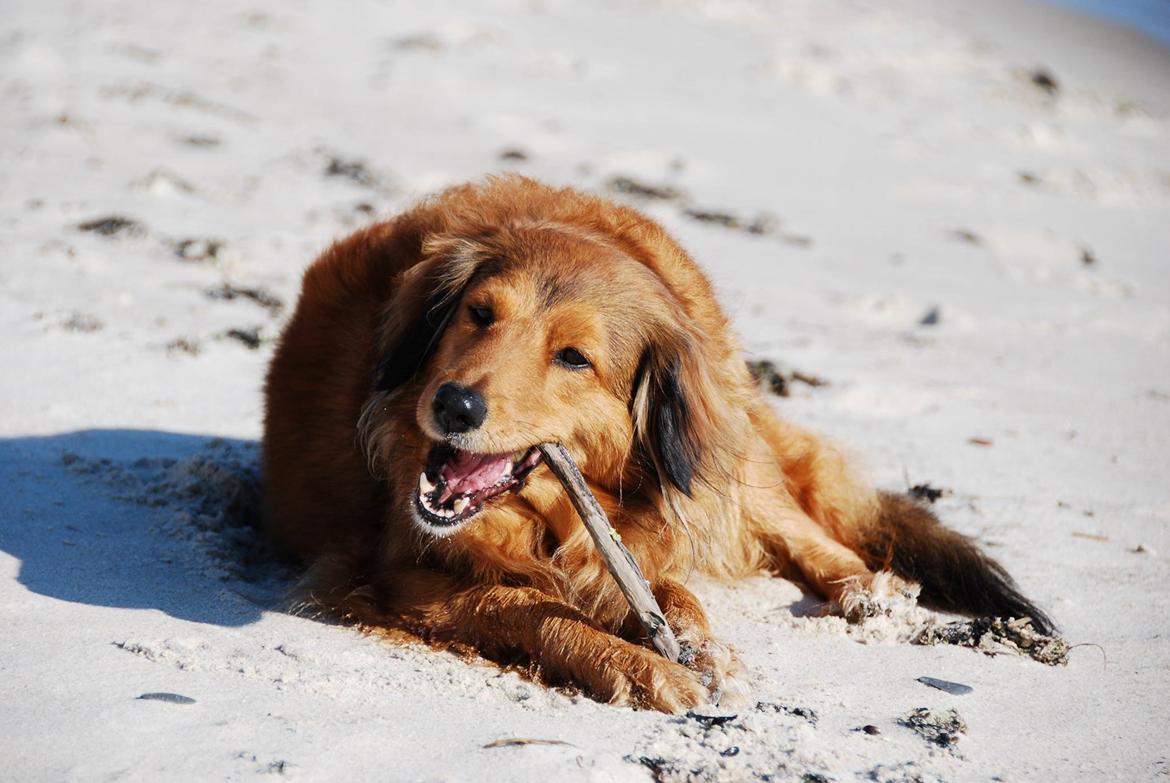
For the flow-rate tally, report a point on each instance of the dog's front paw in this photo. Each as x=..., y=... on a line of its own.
x=717, y=665
x=643, y=678
x=881, y=595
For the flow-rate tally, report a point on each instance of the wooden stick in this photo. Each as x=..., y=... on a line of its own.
x=621, y=563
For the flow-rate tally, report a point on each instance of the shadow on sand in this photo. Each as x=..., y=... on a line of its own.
x=140, y=519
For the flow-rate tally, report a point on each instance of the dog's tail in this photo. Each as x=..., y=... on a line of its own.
x=954, y=574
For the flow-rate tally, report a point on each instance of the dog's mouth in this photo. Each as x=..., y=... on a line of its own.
x=456, y=484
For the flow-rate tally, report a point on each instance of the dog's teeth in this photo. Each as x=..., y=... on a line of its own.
x=425, y=487
x=461, y=505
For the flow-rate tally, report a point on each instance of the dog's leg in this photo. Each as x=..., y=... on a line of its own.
x=718, y=667
x=796, y=542
x=824, y=509
x=815, y=475
x=562, y=641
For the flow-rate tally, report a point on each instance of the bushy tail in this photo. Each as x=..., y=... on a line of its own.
x=955, y=576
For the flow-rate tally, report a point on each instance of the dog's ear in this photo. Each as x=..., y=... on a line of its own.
x=426, y=297
x=431, y=308
x=665, y=429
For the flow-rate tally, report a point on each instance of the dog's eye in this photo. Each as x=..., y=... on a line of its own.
x=572, y=358
x=481, y=316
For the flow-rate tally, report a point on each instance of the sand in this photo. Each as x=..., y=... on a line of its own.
x=955, y=215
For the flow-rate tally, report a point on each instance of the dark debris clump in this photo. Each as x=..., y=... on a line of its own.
x=996, y=636
x=788, y=709
x=778, y=379
x=942, y=728
x=250, y=337
x=926, y=492
x=112, y=225
x=1044, y=79
x=633, y=187
x=266, y=299
x=356, y=171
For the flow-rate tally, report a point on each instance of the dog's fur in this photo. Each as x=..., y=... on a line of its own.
x=694, y=468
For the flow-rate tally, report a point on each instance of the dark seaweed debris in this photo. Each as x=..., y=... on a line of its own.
x=198, y=249
x=941, y=728
x=1046, y=81
x=354, y=170
x=966, y=235
x=206, y=142
x=112, y=225
x=711, y=720
x=778, y=379
x=763, y=223
x=266, y=299
x=658, y=766
x=187, y=345
x=633, y=187
x=926, y=492
x=250, y=337
x=996, y=636
x=931, y=317
x=82, y=322
x=513, y=154
x=787, y=709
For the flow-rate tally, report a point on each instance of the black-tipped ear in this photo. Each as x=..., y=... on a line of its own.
x=413, y=348
x=427, y=296
x=667, y=430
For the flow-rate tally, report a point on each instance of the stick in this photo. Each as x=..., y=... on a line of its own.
x=621, y=563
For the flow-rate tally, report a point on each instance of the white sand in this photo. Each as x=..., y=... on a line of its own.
x=876, y=130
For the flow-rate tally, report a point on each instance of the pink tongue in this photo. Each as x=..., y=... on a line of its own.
x=468, y=473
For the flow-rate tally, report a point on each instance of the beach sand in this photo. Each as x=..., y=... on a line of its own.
x=962, y=224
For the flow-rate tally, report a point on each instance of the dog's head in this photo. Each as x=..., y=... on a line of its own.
x=533, y=331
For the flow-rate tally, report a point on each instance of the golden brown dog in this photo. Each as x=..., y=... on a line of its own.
x=430, y=354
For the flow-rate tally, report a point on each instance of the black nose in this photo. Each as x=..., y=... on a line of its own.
x=458, y=409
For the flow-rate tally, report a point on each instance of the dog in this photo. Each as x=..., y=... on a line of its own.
x=430, y=354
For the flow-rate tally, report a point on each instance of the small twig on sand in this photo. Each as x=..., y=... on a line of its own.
x=1104, y=656
x=509, y=742
x=621, y=563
